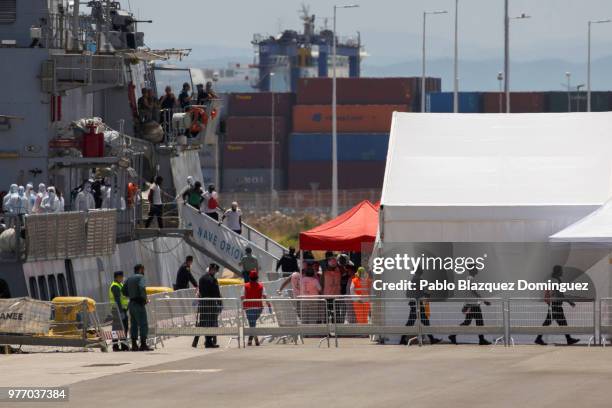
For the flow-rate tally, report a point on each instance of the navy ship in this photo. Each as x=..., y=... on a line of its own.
x=71, y=76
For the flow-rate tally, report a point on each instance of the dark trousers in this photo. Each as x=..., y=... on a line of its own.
x=473, y=312
x=238, y=231
x=213, y=215
x=253, y=315
x=120, y=324
x=138, y=321
x=208, y=316
x=155, y=211
x=556, y=313
x=412, y=315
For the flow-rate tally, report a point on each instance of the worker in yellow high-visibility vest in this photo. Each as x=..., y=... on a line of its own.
x=120, y=315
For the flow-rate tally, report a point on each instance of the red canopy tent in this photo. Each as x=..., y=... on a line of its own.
x=347, y=232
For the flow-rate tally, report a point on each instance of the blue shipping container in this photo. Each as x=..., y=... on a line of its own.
x=442, y=102
x=351, y=146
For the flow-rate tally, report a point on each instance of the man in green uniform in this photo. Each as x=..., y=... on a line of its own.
x=248, y=263
x=120, y=313
x=135, y=290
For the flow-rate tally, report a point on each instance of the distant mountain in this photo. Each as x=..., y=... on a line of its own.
x=481, y=75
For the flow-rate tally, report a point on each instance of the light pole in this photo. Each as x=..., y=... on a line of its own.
x=507, y=19
x=500, y=78
x=425, y=14
x=589, y=61
x=334, y=210
x=568, y=75
x=578, y=97
x=273, y=131
x=456, y=65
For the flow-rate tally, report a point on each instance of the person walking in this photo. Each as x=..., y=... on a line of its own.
x=248, y=263
x=155, y=200
x=184, y=275
x=251, y=292
x=233, y=218
x=288, y=263
x=420, y=296
x=135, y=290
x=210, y=306
x=120, y=313
x=360, y=287
x=473, y=311
x=555, y=308
x=311, y=310
x=211, y=201
x=194, y=196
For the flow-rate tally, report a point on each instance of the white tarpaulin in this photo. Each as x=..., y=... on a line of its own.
x=596, y=227
x=493, y=177
x=222, y=242
x=24, y=316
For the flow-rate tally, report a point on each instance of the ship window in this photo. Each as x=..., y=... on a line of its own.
x=5, y=292
x=52, y=287
x=70, y=277
x=8, y=11
x=33, y=288
x=42, y=288
x=61, y=280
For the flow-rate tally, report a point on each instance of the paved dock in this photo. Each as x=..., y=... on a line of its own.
x=355, y=375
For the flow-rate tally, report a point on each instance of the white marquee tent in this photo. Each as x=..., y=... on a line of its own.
x=493, y=177
x=596, y=227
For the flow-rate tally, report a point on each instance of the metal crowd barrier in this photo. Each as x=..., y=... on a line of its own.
x=530, y=316
x=328, y=317
x=197, y=317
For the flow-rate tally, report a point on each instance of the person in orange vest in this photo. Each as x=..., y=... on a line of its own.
x=253, y=290
x=360, y=286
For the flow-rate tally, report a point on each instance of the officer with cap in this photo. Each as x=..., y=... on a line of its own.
x=120, y=313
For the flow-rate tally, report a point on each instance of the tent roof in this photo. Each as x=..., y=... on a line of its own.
x=468, y=160
x=347, y=232
x=595, y=227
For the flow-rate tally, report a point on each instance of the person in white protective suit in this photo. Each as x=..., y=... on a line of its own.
x=189, y=186
x=42, y=193
x=21, y=203
x=108, y=203
x=85, y=199
x=51, y=203
x=6, y=205
x=29, y=193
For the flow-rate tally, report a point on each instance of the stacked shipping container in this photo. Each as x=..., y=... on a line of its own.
x=246, y=152
x=365, y=109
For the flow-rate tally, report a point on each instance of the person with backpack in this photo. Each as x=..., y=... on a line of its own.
x=212, y=203
x=193, y=196
x=155, y=200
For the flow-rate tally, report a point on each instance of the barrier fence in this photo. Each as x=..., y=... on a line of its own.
x=349, y=316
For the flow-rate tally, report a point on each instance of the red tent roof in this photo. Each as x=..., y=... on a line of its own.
x=347, y=232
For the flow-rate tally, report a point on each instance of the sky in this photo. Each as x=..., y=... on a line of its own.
x=391, y=30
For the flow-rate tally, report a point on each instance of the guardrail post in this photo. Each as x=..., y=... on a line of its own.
x=418, y=321
x=596, y=326
x=85, y=321
x=240, y=322
x=334, y=320
x=507, y=334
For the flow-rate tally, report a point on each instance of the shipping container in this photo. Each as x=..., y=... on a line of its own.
x=351, y=175
x=351, y=118
x=558, y=101
x=250, y=180
x=260, y=104
x=442, y=102
x=364, y=91
x=255, y=129
x=256, y=155
x=520, y=102
x=351, y=146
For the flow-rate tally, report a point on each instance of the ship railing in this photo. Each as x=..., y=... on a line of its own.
x=175, y=128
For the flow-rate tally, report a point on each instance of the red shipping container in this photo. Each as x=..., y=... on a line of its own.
x=520, y=102
x=351, y=175
x=252, y=155
x=357, y=91
x=260, y=104
x=255, y=129
x=351, y=118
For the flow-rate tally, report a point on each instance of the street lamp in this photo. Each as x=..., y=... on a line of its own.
x=568, y=75
x=500, y=78
x=589, y=62
x=425, y=14
x=456, y=64
x=334, y=211
x=507, y=19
